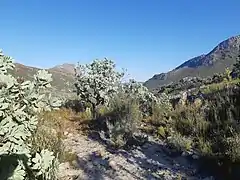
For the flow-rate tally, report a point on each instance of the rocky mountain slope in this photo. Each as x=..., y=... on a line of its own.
x=63, y=76
x=222, y=56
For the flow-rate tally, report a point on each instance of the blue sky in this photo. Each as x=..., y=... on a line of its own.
x=143, y=36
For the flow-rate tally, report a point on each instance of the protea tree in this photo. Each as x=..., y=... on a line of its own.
x=97, y=82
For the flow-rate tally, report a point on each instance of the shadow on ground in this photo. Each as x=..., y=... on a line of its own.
x=142, y=159
x=153, y=160
x=95, y=168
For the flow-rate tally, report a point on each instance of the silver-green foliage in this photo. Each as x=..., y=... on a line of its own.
x=138, y=90
x=97, y=82
x=141, y=94
x=19, y=104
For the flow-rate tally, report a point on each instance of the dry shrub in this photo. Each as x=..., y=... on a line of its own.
x=122, y=119
x=103, y=110
x=179, y=142
x=50, y=133
x=233, y=148
x=213, y=126
x=83, y=116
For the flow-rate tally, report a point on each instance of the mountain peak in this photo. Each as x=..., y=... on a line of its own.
x=216, y=61
x=228, y=43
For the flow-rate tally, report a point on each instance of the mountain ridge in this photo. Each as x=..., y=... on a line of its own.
x=62, y=75
x=220, y=57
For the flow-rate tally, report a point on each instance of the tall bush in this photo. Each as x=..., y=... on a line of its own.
x=138, y=92
x=97, y=82
x=123, y=119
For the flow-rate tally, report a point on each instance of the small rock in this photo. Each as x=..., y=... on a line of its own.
x=113, y=165
x=191, y=152
x=98, y=153
x=100, y=162
x=184, y=153
x=65, y=133
x=195, y=156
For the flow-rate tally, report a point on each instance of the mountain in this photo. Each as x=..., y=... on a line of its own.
x=222, y=56
x=63, y=76
x=64, y=68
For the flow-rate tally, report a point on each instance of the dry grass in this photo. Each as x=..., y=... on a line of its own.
x=52, y=129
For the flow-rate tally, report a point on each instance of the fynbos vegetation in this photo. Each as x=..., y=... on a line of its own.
x=20, y=102
x=97, y=82
x=195, y=117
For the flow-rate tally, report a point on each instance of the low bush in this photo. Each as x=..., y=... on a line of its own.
x=121, y=118
x=50, y=132
x=189, y=121
x=179, y=142
x=212, y=127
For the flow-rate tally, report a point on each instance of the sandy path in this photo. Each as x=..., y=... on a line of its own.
x=150, y=161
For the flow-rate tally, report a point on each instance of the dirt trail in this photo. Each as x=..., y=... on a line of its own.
x=149, y=162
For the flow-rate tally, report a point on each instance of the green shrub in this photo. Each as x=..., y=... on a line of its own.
x=20, y=102
x=233, y=148
x=211, y=127
x=145, y=99
x=204, y=147
x=190, y=121
x=161, y=132
x=97, y=82
x=159, y=119
x=160, y=114
x=179, y=142
x=236, y=68
x=123, y=119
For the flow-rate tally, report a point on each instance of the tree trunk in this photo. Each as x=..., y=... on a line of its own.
x=94, y=111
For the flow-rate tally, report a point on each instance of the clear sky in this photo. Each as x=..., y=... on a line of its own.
x=144, y=36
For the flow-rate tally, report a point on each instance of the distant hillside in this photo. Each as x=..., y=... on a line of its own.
x=64, y=68
x=222, y=56
x=63, y=76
